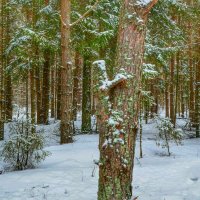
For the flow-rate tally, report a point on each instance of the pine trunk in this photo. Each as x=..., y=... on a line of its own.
x=76, y=82
x=2, y=65
x=197, y=91
x=172, y=114
x=38, y=93
x=52, y=93
x=45, y=88
x=58, y=99
x=117, y=144
x=86, y=97
x=66, y=75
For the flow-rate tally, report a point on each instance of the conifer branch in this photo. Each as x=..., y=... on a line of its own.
x=85, y=14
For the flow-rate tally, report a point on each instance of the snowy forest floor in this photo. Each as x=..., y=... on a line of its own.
x=69, y=173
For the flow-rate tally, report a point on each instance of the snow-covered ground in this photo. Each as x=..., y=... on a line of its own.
x=69, y=173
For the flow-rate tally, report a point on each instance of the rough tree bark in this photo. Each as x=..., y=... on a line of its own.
x=121, y=98
x=66, y=75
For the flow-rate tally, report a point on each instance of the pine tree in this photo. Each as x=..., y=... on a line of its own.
x=66, y=75
x=117, y=144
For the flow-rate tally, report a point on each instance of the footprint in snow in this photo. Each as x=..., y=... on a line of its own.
x=195, y=179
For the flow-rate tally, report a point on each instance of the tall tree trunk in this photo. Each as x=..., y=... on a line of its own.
x=8, y=97
x=177, y=86
x=38, y=94
x=32, y=89
x=45, y=88
x=33, y=66
x=53, y=93
x=58, y=99
x=197, y=91
x=86, y=96
x=76, y=83
x=166, y=97
x=2, y=66
x=8, y=78
x=172, y=63
x=66, y=75
x=191, y=88
x=121, y=101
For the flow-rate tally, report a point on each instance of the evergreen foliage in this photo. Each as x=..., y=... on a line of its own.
x=24, y=149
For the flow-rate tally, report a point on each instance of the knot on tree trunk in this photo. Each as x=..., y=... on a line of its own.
x=107, y=85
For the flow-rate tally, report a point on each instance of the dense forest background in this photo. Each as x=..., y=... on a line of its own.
x=104, y=66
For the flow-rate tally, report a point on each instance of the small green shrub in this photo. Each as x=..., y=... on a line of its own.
x=167, y=134
x=24, y=148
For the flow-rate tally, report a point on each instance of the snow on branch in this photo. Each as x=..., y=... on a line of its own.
x=85, y=14
x=147, y=5
x=143, y=2
x=107, y=84
x=80, y=18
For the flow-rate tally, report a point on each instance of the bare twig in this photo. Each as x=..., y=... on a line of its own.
x=85, y=14
x=63, y=23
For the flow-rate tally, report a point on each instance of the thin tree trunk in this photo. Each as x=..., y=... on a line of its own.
x=38, y=93
x=172, y=63
x=45, y=88
x=177, y=86
x=8, y=78
x=52, y=93
x=191, y=89
x=8, y=97
x=197, y=95
x=86, y=96
x=141, y=152
x=2, y=65
x=58, y=102
x=32, y=89
x=77, y=78
x=166, y=98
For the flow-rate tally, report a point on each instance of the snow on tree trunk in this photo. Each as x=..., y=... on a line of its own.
x=121, y=100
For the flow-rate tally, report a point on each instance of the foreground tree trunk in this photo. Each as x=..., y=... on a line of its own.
x=121, y=98
x=66, y=75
